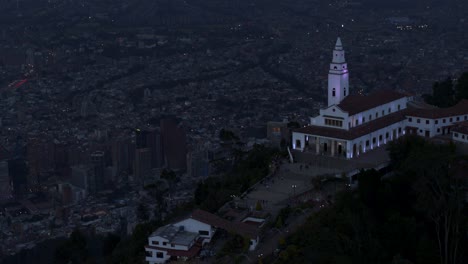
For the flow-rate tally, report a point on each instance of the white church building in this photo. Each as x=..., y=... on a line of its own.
x=354, y=124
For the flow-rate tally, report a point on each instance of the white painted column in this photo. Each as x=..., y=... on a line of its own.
x=333, y=148
x=317, y=145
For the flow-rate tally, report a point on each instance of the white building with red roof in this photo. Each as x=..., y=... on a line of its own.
x=460, y=132
x=354, y=124
x=184, y=239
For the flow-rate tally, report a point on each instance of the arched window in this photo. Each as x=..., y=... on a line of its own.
x=344, y=91
x=333, y=92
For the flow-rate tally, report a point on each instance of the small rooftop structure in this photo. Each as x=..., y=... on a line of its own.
x=175, y=235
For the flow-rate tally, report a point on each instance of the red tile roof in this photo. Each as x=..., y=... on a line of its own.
x=354, y=104
x=355, y=132
x=461, y=127
x=218, y=222
x=459, y=109
x=192, y=252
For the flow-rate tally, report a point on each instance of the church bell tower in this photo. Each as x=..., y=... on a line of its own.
x=338, y=76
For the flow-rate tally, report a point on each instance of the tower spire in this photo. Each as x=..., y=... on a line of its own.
x=338, y=45
x=338, y=77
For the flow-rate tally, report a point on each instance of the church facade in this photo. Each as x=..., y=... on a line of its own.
x=354, y=124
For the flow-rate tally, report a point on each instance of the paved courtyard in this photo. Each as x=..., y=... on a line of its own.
x=295, y=178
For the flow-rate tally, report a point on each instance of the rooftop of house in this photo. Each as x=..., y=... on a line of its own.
x=218, y=222
x=461, y=108
x=175, y=235
x=461, y=127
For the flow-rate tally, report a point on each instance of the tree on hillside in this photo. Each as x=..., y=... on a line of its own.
x=142, y=212
x=227, y=135
x=442, y=94
x=73, y=250
x=440, y=197
x=439, y=193
x=461, y=88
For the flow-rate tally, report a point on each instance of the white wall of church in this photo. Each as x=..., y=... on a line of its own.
x=377, y=112
x=338, y=87
x=376, y=139
x=298, y=141
x=332, y=112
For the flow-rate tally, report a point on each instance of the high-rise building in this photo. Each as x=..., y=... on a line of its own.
x=5, y=183
x=120, y=155
x=174, y=141
x=154, y=143
x=198, y=164
x=142, y=164
x=98, y=162
x=140, y=138
x=83, y=177
x=41, y=158
x=18, y=171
